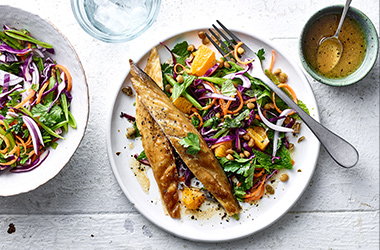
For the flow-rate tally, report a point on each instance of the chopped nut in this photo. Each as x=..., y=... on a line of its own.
x=167, y=87
x=301, y=139
x=240, y=51
x=127, y=90
x=201, y=35
x=230, y=157
x=246, y=137
x=131, y=133
x=205, y=41
x=269, y=106
x=246, y=153
x=179, y=79
x=226, y=65
x=250, y=105
x=269, y=189
x=251, y=143
x=241, y=155
x=282, y=77
x=217, y=115
x=284, y=177
x=291, y=146
x=277, y=71
x=191, y=48
x=297, y=128
x=230, y=151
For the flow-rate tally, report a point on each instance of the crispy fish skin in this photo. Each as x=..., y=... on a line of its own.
x=157, y=147
x=176, y=126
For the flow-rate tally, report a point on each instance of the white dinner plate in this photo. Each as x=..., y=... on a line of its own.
x=253, y=218
x=16, y=183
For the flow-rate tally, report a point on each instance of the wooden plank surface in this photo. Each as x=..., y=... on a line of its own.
x=339, y=210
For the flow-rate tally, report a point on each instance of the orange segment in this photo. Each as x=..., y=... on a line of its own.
x=259, y=136
x=204, y=59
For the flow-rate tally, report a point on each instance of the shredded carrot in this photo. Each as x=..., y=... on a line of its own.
x=272, y=61
x=236, y=56
x=179, y=65
x=16, y=150
x=39, y=96
x=30, y=96
x=291, y=92
x=31, y=153
x=68, y=76
x=256, y=194
x=29, y=140
x=250, y=100
x=257, y=175
x=23, y=54
x=213, y=100
x=22, y=143
x=240, y=105
x=199, y=117
x=257, y=117
x=9, y=162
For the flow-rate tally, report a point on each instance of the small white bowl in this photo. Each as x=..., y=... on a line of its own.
x=16, y=183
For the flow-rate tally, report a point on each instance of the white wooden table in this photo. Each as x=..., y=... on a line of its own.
x=84, y=208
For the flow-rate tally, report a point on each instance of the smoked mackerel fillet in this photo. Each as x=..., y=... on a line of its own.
x=176, y=126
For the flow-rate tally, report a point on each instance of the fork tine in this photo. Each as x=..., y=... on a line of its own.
x=228, y=32
x=215, y=44
x=224, y=36
x=224, y=46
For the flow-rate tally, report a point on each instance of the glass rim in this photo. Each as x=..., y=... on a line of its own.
x=86, y=25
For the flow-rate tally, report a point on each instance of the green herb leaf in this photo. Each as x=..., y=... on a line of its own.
x=195, y=121
x=179, y=89
x=236, y=121
x=260, y=54
x=141, y=156
x=191, y=142
x=20, y=35
x=228, y=88
x=181, y=52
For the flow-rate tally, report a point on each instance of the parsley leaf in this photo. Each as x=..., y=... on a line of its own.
x=228, y=88
x=236, y=121
x=260, y=54
x=181, y=52
x=191, y=142
x=178, y=89
x=141, y=156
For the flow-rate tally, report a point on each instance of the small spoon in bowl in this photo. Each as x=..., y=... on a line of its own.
x=330, y=49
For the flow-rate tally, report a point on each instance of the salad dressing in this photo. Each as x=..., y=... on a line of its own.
x=351, y=37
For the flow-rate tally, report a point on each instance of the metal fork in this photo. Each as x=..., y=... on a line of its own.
x=339, y=149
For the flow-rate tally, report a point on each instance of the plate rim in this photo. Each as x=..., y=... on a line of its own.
x=87, y=106
x=117, y=175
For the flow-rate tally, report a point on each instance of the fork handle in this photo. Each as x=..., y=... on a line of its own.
x=339, y=149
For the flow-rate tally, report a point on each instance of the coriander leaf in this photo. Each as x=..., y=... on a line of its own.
x=303, y=106
x=260, y=54
x=54, y=116
x=195, y=121
x=228, y=88
x=181, y=52
x=167, y=68
x=236, y=121
x=191, y=142
x=178, y=89
x=141, y=156
x=212, y=122
x=13, y=68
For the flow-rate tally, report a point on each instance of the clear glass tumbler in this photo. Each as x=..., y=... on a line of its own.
x=115, y=20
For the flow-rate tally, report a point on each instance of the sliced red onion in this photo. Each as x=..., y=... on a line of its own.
x=8, y=58
x=271, y=125
x=13, y=79
x=225, y=139
x=61, y=87
x=12, y=114
x=211, y=70
x=4, y=94
x=144, y=161
x=129, y=117
x=277, y=133
x=217, y=96
x=35, y=133
x=2, y=117
x=240, y=75
x=39, y=53
x=29, y=167
x=35, y=74
x=5, y=48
